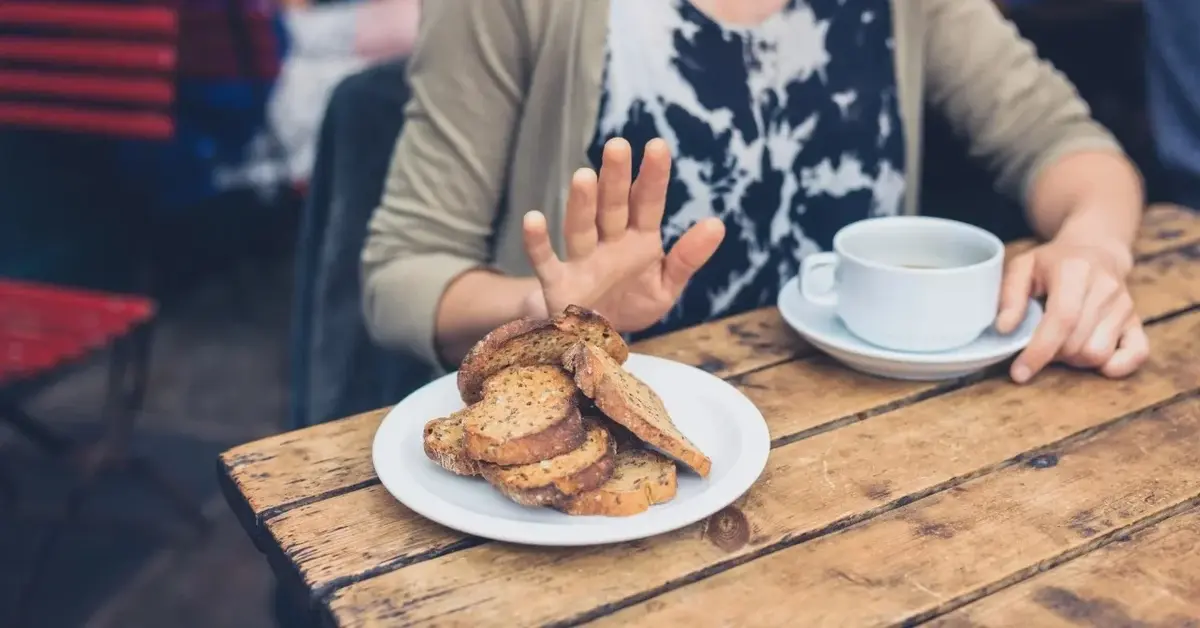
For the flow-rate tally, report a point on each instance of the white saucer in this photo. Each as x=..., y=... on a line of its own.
x=714, y=415
x=821, y=327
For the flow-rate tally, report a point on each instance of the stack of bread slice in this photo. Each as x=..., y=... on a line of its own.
x=554, y=420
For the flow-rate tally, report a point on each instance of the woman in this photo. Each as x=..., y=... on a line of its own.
x=787, y=119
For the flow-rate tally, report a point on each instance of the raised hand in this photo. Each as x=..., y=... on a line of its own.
x=615, y=263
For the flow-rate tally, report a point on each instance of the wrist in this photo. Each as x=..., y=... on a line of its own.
x=533, y=303
x=1088, y=230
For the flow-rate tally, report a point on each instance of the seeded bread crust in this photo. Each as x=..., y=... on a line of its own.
x=640, y=480
x=444, y=444
x=530, y=341
x=527, y=414
x=552, y=482
x=630, y=402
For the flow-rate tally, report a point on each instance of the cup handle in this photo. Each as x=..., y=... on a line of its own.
x=810, y=266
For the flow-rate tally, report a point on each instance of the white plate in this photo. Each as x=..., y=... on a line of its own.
x=714, y=415
x=821, y=327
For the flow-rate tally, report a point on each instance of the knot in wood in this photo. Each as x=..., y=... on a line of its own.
x=1044, y=461
x=728, y=529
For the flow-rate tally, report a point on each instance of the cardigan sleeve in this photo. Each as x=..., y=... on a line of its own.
x=467, y=77
x=1016, y=111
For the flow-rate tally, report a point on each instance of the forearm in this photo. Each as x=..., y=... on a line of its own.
x=475, y=303
x=1094, y=196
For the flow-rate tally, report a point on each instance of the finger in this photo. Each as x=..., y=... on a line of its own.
x=1015, y=293
x=648, y=198
x=1102, y=298
x=1132, y=352
x=615, y=175
x=537, y=246
x=580, y=228
x=1102, y=344
x=1066, y=288
x=692, y=251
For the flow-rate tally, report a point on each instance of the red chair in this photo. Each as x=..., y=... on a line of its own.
x=104, y=68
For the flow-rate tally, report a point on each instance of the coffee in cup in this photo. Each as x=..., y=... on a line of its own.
x=909, y=283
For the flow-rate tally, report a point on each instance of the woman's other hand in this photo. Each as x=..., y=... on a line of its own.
x=1090, y=321
x=615, y=263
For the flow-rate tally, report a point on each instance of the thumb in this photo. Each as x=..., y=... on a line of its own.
x=1015, y=293
x=691, y=252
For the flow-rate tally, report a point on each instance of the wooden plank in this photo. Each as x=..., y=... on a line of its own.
x=1167, y=282
x=810, y=487
x=1167, y=227
x=1150, y=579
x=732, y=346
x=946, y=550
x=351, y=537
x=340, y=541
x=736, y=346
x=292, y=467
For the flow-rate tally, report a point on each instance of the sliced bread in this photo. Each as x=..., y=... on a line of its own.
x=529, y=341
x=551, y=482
x=527, y=414
x=444, y=444
x=622, y=438
x=629, y=401
x=640, y=480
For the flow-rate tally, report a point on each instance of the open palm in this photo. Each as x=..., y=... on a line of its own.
x=615, y=260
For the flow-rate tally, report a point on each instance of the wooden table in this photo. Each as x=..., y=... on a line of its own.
x=1071, y=501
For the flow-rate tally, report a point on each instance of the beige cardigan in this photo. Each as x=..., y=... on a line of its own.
x=505, y=96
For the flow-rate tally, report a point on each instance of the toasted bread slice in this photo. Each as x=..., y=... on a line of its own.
x=528, y=341
x=640, y=480
x=444, y=444
x=623, y=439
x=630, y=402
x=551, y=482
x=527, y=414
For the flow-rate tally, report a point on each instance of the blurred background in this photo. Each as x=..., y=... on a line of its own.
x=185, y=184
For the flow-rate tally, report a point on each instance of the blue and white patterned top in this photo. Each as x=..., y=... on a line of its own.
x=787, y=131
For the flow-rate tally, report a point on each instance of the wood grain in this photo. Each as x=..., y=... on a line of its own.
x=797, y=399
x=944, y=550
x=1166, y=227
x=810, y=487
x=330, y=520
x=731, y=346
x=292, y=467
x=347, y=538
x=1167, y=282
x=1151, y=578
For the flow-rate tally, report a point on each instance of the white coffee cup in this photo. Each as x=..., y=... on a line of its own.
x=909, y=283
